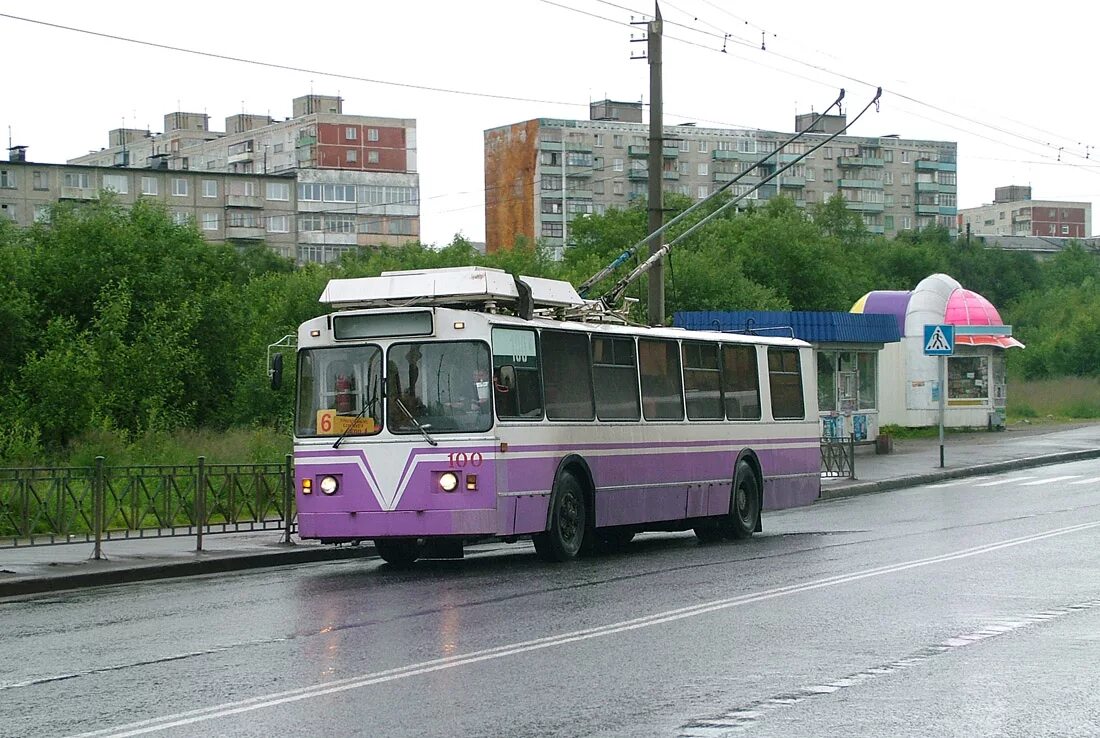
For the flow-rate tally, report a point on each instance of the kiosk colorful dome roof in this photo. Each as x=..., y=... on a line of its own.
x=938, y=298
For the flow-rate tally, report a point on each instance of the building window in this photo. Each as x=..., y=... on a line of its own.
x=40, y=180
x=278, y=224
x=617, y=141
x=309, y=191
x=906, y=200
x=179, y=187
x=888, y=156
x=827, y=175
x=702, y=191
x=906, y=179
x=278, y=191
x=372, y=134
x=120, y=183
x=617, y=187
x=82, y=180
x=209, y=221
x=827, y=152
x=7, y=179
x=704, y=169
x=400, y=227
x=888, y=178
x=307, y=223
x=888, y=222
x=811, y=175
x=685, y=145
x=41, y=213
x=352, y=156
x=704, y=147
x=180, y=218
x=1065, y=230
x=616, y=165
x=209, y=188
x=277, y=149
x=149, y=186
x=906, y=222
x=967, y=378
x=904, y=157
x=372, y=157
x=350, y=133
x=338, y=193
x=340, y=223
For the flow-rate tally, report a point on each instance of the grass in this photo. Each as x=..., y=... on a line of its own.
x=234, y=446
x=1054, y=400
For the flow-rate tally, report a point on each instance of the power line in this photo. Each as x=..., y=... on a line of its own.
x=282, y=67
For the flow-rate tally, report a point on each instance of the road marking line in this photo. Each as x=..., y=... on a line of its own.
x=1049, y=480
x=1094, y=480
x=955, y=482
x=1010, y=480
x=449, y=662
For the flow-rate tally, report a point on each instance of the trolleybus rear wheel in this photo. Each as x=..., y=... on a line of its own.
x=744, y=502
x=568, y=521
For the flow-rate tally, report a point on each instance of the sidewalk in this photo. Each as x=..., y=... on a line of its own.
x=917, y=461
x=52, y=568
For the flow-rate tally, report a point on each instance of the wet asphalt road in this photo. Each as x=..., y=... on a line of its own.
x=969, y=608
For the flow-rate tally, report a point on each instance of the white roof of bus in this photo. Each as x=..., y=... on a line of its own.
x=444, y=287
x=648, y=331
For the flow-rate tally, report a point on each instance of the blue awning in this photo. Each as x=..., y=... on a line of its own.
x=814, y=327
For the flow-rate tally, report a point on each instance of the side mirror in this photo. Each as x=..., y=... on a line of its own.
x=276, y=371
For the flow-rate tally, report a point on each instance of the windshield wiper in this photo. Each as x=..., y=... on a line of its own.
x=362, y=412
x=422, y=428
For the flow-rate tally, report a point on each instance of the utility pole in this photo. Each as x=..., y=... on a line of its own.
x=656, y=153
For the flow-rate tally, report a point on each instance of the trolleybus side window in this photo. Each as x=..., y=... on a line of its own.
x=702, y=381
x=340, y=391
x=517, y=391
x=785, y=380
x=662, y=395
x=740, y=382
x=441, y=385
x=566, y=377
x=615, y=376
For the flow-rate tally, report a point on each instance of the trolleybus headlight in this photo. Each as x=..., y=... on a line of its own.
x=448, y=481
x=329, y=485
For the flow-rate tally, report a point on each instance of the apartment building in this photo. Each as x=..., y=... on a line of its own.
x=1014, y=213
x=226, y=208
x=540, y=174
x=354, y=176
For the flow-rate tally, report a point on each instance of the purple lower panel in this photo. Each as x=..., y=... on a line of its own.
x=629, y=506
x=506, y=516
x=531, y=513
x=792, y=492
x=398, y=523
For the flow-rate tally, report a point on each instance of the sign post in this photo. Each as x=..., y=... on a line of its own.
x=939, y=340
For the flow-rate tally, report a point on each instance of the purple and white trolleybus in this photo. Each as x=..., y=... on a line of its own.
x=430, y=415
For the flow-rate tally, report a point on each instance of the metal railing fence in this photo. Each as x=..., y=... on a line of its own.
x=53, y=505
x=838, y=456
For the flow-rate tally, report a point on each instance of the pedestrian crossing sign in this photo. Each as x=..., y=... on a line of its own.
x=939, y=340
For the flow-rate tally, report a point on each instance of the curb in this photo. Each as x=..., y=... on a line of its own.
x=886, y=485
x=40, y=584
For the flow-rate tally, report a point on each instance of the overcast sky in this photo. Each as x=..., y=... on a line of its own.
x=1013, y=84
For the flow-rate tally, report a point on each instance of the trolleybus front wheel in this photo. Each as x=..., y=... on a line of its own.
x=568, y=522
x=399, y=552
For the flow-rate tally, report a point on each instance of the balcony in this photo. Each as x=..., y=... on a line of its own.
x=923, y=209
x=928, y=187
x=670, y=175
x=860, y=184
x=638, y=175
x=243, y=201
x=880, y=230
x=578, y=194
x=304, y=141
x=866, y=207
x=936, y=166
x=786, y=158
x=246, y=233
x=860, y=161
x=733, y=156
x=546, y=144
x=785, y=181
x=748, y=179
x=324, y=237
x=948, y=210
x=638, y=152
x=79, y=193
x=766, y=192
x=243, y=156
x=578, y=171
